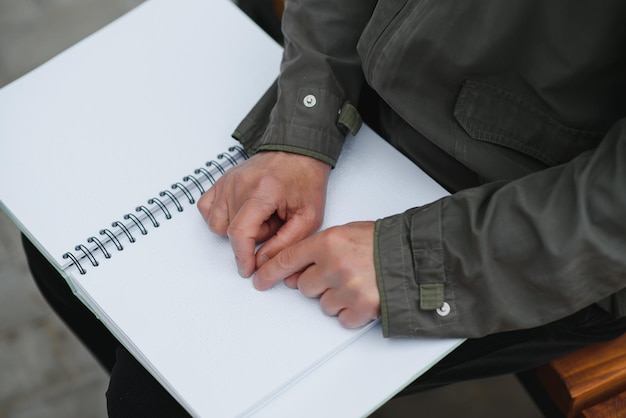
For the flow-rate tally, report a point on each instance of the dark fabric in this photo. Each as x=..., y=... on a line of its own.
x=512, y=255
x=517, y=351
x=133, y=392
x=83, y=323
x=263, y=13
x=438, y=164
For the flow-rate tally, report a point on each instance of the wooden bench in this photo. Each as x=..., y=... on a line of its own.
x=279, y=6
x=590, y=382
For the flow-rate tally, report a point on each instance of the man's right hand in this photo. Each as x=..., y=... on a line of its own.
x=274, y=196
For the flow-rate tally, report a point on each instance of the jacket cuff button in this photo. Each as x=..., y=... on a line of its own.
x=309, y=100
x=444, y=310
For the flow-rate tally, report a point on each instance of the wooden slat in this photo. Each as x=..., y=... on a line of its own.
x=279, y=6
x=586, y=377
x=614, y=407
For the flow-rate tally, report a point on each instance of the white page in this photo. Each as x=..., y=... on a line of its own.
x=359, y=379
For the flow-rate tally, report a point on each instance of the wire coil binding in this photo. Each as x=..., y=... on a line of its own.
x=148, y=215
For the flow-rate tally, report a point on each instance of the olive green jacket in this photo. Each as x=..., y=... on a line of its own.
x=528, y=94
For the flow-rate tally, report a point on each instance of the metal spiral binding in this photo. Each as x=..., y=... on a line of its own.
x=208, y=175
x=186, y=191
x=147, y=216
x=195, y=182
x=169, y=194
x=160, y=204
x=100, y=246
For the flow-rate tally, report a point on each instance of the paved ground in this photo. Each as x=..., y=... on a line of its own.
x=44, y=370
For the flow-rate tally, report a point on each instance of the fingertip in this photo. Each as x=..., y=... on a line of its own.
x=205, y=202
x=292, y=281
x=351, y=319
x=245, y=267
x=260, y=281
x=243, y=272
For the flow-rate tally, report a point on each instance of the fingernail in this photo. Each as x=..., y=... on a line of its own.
x=263, y=259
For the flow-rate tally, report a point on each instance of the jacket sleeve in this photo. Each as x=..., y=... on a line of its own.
x=320, y=77
x=508, y=255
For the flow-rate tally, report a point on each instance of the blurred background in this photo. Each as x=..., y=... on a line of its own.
x=44, y=370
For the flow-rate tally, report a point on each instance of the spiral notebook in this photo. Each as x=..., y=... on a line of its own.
x=104, y=151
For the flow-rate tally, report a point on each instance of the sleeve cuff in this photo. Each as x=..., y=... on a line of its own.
x=312, y=122
x=416, y=298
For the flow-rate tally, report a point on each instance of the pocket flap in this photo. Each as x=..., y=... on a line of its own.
x=490, y=114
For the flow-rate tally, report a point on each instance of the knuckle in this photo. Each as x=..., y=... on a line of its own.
x=262, y=188
x=286, y=259
x=204, y=203
x=238, y=232
x=335, y=237
x=312, y=217
x=261, y=202
x=328, y=238
x=267, y=182
x=345, y=269
x=233, y=231
x=217, y=226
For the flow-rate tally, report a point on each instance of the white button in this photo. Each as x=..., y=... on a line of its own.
x=444, y=310
x=309, y=100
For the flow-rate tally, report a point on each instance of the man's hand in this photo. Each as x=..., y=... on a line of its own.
x=273, y=196
x=336, y=265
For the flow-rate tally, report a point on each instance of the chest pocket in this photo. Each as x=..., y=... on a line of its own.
x=492, y=115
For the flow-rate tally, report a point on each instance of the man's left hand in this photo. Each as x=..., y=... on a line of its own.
x=335, y=265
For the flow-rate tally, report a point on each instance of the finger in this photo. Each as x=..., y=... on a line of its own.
x=206, y=202
x=350, y=318
x=292, y=281
x=216, y=210
x=312, y=282
x=359, y=309
x=268, y=229
x=331, y=304
x=243, y=231
x=292, y=259
x=215, y=216
x=292, y=231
